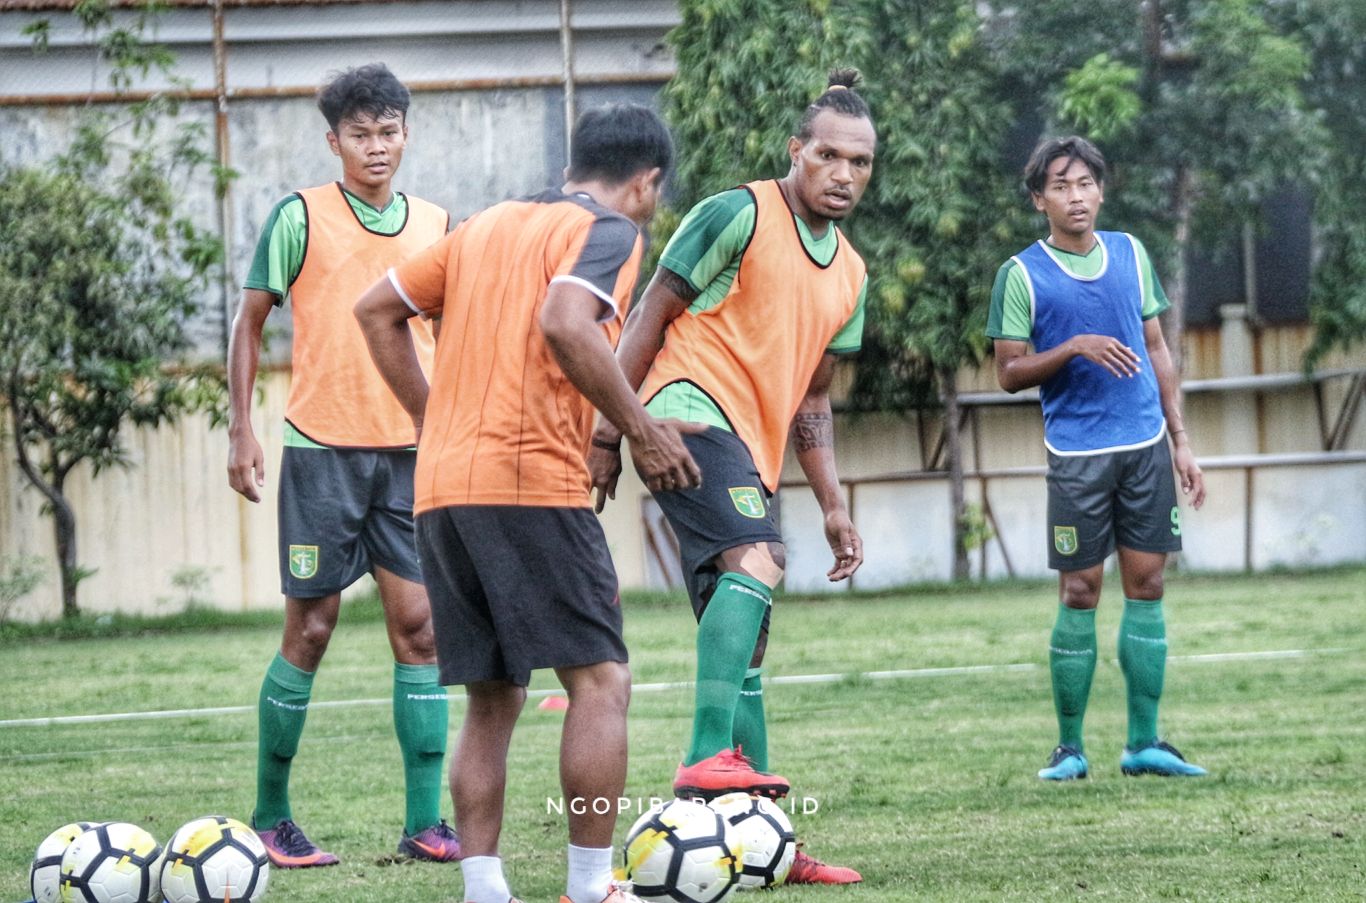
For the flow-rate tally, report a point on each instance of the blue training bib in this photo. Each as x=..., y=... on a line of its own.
x=1086, y=409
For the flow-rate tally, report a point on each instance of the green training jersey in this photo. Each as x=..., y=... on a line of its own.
x=1012, y=315
x=284, y=239
x=706, y=252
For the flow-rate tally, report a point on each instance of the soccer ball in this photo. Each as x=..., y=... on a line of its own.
x=115, y=862
x=45, y=875
x=765, y=836
x=682, y=853
x=214, y=859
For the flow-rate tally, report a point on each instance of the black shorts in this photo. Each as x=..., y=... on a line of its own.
x=1098, y=501
x=515, y=588
x=343, y=511
x=731, y=508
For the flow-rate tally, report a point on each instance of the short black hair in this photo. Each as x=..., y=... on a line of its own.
x=372, y=90
x=1072, y=147
x=614, y=142
x=839, y=97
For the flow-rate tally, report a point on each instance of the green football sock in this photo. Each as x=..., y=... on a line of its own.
x=1143, y=659
x=280, y=715
x=1072, y=663
x=725, y=644
x=750, y=732
x=421, y=717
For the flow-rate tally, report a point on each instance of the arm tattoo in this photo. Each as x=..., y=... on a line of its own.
x=676, y=284
x=813, y=431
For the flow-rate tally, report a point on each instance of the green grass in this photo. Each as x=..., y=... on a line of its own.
x=925, y=783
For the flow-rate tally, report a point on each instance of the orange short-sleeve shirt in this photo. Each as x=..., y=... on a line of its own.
x=503, y=424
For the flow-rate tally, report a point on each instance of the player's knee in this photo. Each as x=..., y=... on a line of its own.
x=764, y=561
x=1079, y=591
x=415, y=641
x=493, y=699
x=1145, y=586
x=604, y=684
x=310, y=641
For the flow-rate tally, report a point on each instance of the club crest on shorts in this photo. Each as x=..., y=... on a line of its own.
x=1065, y=540
x=747, y=501
x=303, y=561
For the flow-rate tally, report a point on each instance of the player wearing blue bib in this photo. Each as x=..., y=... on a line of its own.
x=1086, y=302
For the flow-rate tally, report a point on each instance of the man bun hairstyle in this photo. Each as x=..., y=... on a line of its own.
x=1073, y=147
x=371, y=90
x=612, y=143
x=839, y=97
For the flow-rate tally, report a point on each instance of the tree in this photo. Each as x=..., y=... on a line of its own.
x=98, y=275
x=1331, y=30
x=746, y=71
x=1199, y=105
x=940, y=215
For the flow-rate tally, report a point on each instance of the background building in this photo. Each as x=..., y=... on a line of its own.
x=495, y=83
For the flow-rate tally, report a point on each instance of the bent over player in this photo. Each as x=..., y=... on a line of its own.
x=346, y=476
x=1087, y=302
x=755, y=297
x=531, y=294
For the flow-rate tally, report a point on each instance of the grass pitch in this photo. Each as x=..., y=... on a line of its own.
x=924, y=781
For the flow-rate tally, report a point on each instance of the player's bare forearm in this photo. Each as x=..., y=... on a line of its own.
x=1169, y=389
x=813, y=441
x=666, y=297
x=1168, y=384
x=812, y=435
x=568, y=322
x=1017, y=368
x=246, y=461
x=383, y=317
x=244, y=355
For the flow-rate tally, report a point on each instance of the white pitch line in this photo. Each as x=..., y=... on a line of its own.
x=909, y=673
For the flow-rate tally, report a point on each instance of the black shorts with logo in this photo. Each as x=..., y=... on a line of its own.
x=515, y=588
x=731, y=508
x=1125, y=498
x=342, y=511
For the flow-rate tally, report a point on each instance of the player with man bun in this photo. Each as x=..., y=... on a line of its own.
x=756, y=296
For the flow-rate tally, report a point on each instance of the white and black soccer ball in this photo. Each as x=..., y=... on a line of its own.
x=681, y=853
x=116, y=862
x=214, y=859
x=45, y=874
x=765, y=836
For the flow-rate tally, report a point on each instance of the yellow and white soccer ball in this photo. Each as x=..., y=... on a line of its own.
x=212, y=860
x=764, y=832
x=45, y=874
x=682, y=853
x=115, y=862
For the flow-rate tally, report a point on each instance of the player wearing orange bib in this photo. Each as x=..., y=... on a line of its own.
x=756, y=295
x=531, y=294
x=345, y=500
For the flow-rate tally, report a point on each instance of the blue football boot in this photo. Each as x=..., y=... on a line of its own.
x=1158, y=758
x=1066, y=764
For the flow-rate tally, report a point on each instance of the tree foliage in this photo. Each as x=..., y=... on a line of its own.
x=1199, y=106
x=1332, y=30
x=99, y=272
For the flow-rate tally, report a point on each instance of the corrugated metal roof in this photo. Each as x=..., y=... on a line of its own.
x=284, y=47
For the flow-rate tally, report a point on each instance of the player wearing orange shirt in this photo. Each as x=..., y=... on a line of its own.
x=531, y=295
x=345, y=499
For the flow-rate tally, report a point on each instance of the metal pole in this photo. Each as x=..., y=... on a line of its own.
x=567, y=53
x=223, y=151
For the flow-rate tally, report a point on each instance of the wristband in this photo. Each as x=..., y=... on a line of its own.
x=603, y=444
